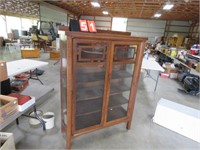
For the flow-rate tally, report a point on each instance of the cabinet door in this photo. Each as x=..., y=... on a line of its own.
x=89, y=68
x=122, y=65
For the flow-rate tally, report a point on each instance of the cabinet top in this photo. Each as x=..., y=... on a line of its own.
x=105, y=36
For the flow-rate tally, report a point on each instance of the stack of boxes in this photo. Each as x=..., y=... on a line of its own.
x=170, y=71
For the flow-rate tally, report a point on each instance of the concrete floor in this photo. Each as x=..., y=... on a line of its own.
x=144, y=134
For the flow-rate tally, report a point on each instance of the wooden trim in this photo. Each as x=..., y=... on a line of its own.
x=69, y=92
x=94, y=128
x=74, y=74
x=103, y=36
x=136, y=76
x=108, y=80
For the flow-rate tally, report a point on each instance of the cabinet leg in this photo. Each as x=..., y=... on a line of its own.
x=68, y=144
x=128, y=125
x=69, y=139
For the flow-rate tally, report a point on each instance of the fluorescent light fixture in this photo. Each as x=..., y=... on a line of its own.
x=168, y=6
x=105, y=12
x=95, y=4
x=157, y=15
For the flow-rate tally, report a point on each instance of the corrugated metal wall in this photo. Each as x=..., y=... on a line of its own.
x=49, y=14
x=177, y=27
x=146, y=28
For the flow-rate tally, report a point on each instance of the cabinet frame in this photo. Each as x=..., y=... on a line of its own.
x=73, y=38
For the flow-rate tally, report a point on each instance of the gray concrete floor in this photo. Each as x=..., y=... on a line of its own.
x=144, y=134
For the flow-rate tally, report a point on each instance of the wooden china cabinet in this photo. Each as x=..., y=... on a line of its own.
x=99, y=79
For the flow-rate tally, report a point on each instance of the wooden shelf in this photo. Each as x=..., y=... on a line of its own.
x=95, y=105
x=95, y=118
x=90, y=77
x=88, y=93
x=116, y=113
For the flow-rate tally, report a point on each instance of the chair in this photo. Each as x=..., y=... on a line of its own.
x=39, y=42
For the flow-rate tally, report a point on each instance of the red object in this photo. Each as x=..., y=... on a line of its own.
x=19, y=84
x=22, y=76
x=164, y=75
x=83, y=25
x=21, y=98
x=193, y=51
x=91, y=26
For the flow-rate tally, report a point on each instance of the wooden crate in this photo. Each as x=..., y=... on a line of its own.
x=8, y=106
x=30, y=53
x=54, y=55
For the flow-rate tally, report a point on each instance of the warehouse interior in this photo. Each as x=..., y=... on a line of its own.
x=164, y=102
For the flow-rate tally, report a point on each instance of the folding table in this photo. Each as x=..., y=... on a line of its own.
x=148, y=65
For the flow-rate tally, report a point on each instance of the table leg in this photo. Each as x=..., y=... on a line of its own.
x=56, y=62
x=17, y=121
x=157, y=81
x=37, y=78
x=42, y=122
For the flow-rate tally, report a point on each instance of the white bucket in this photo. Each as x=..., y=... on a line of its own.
x=49, y=118
x=33, y=121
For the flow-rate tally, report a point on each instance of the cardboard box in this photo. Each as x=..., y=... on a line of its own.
x=8, y=106
x=173, y=75
x=198, y=67
x=54, y=55
x=170, y=68
x=3, y=71
x=7, y=141
x=30, y=53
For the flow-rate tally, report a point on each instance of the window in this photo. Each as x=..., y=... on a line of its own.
x=3, y=26
x=13, y=23
x=119, y=24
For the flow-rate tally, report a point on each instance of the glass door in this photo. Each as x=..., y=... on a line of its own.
x=121, y=80
x=89, y=69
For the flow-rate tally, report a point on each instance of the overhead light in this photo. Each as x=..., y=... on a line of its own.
x=105, y=12
x=157, y=15
x=168, y=6
x=95, y=4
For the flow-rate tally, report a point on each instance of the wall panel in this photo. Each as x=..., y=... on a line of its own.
x=49, y=14
x=146, y=28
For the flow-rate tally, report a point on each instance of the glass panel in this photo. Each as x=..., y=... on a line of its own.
x=121, y=83
x=91, y=52
x=63, y=74
x=124, y=52
x=90, y=84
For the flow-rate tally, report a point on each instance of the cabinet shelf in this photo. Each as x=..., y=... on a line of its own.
x=88, y=93
x=95, y=105
x=90, y=77
x=95, y=118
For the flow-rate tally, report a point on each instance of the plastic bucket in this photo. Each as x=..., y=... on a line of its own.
x=33, y=121
x=49, y=118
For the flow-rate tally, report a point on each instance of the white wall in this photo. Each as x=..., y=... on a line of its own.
x=3, y=28
x=146, y=28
